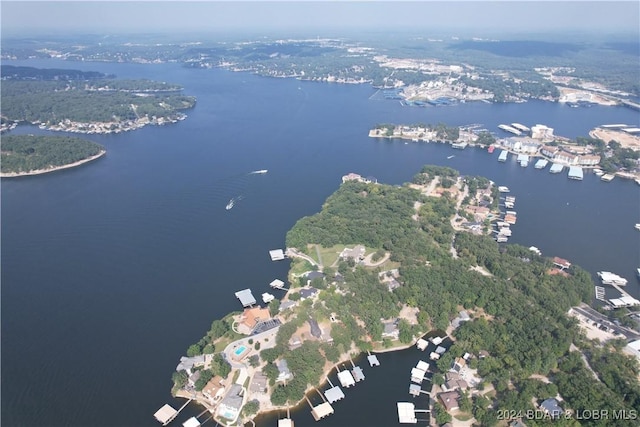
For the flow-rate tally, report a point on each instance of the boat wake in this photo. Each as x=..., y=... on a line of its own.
x=261, y=171
x=233, y=201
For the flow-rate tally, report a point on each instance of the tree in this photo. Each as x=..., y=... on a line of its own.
x=194, y=350
x=218, y=329
x=441, y=414
x=251, y=407
x=179, y=379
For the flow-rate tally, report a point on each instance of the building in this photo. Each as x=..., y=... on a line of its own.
x=315, y=328
x=391, y=330
x=253, y=316
x=258, y=383
x=356, y=254
x=246, y=297
x=542, y=132
x=589, y=160
x=284, y=374
x=307, y=293
x=450, y=400
x=549, y=150
x=232, y=403
x=214, y=389
x=561, y=263
x=552, y=408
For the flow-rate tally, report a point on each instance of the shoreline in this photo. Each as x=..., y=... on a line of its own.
x=53, y=169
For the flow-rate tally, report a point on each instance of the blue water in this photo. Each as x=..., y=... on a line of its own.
x=111, y=270
x=238, y=351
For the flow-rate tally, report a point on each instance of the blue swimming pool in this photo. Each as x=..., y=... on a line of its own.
x=238, y=351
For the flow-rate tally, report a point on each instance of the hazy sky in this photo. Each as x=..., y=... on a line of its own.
x=37, y=17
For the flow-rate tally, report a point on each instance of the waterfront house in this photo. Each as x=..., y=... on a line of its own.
x=188, y=363
x=230, y=406
x=561, y=262
x=214, y=389
x=258, y=383
x=193, y=378
x=391, y=330
x=252, y=316
x=589, y=160
x=450, y=400
x=287, y=304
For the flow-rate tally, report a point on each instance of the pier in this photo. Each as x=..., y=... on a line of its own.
x=277, y=284
x=422, y=344
x=346, y=379
x=276, y=254
x=358, y=375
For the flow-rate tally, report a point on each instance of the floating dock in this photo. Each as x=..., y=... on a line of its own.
x=600, y=293
x=346, y=379
x=407, y=413
x=358, y=375
x=556, y=168
x=510, y=129
x=422, y=344
x=267, y=297
x=246, y=297
x=503, y=156
x=167, y=413
x=322, y=410
x=373, y=360
x=277, y=284
x=334, y=394
x=575, y=172
x=520, y=127
x=276, y=254
x=607, y=177
x=541, y=164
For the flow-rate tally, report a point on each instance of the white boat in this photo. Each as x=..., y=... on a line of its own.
x=261, y=171
x=230, y=204
x=609, y=278
x=502, y=239
x=503, y=189
x=637, y=226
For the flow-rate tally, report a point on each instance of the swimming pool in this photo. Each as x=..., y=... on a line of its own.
x=238, y=351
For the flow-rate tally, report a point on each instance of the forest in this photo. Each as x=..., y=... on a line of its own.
x=25, y=153
x=51, y=101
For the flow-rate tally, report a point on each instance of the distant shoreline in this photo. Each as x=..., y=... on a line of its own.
x=56, y=168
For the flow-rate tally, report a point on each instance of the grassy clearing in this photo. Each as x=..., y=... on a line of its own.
x=329, y=255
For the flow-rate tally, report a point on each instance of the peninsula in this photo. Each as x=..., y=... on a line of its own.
x=82, y=102
x=378, y=268
x=33, y=155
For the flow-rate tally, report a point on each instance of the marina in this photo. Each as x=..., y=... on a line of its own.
x=510, y=129
x=609, y=278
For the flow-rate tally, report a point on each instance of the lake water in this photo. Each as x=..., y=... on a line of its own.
x=111, y=270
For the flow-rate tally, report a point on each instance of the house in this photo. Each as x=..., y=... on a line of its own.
x=284, y=374
x=313, y=275
x=307, y=293
x=230, y=406
x=450, y=400
x=463, y=316
x=294, y=342
x=549, y=150
x=253, y=316
x=193, y=378
x=391, y=330
x=352, y=177
x=551, y=407
x=356, y=254
x=315, y=328
x=589, y=160
x=188, y=363
x=458, y=384
x=214, y=389
x=458, y=364
x=287, y=304
x=258, y=383
x=561, y=262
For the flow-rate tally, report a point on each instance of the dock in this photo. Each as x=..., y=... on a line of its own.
x=276, y=254
x=541, y=164
x=322, y=410
x=167, y=413
x=520, y=127
x=575, y=172
x=358, y=374
x=277, y=284
x=523, y=159
x=373, y=360
x=434, y=356
x=437, y=340
x=417, y=375
x=406, y=413
x=422, y=344
x=246, y=297
x=607, y=177
x=556, y=168
x=346, y=379
x=600, y=293
x=459, y=145
x=416, y=390
x=267, y=297
x=191, y=422
x=334, y=394
x=503, y=156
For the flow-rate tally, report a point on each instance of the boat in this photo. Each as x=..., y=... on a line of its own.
x=450, y=157
x=638, y=272
x=230, y=204
x=637, y=226
x=491, y=148
x=261, y=171
x=509, y=205
x=609, y=278
x=510, y=129
x=503, y=189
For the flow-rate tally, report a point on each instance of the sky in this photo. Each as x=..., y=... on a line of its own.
x=27, y=17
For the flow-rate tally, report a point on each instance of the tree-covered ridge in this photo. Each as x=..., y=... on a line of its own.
x=12, y=72
x=519, y=310
x=63, y=104
x=26, y=153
